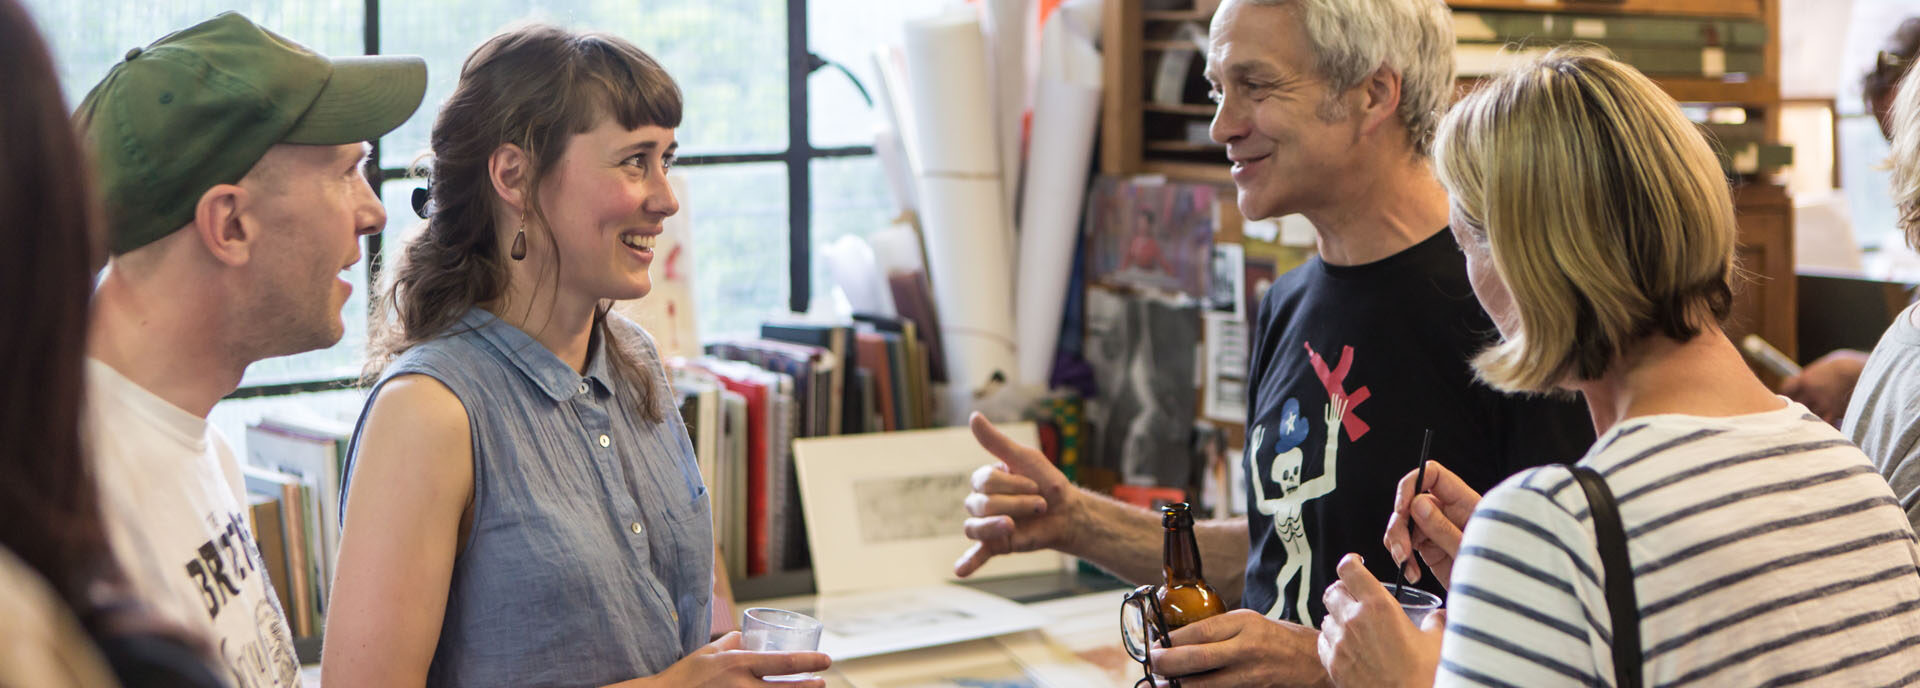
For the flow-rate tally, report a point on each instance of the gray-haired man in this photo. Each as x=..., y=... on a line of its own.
x=1327, y=108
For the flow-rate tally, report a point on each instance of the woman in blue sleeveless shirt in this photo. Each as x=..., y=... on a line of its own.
x=523, y=507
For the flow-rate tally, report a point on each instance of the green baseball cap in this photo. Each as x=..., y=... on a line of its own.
x=200, y=106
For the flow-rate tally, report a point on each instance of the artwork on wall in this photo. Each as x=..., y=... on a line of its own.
x=1148, y=234
x=1142, y=353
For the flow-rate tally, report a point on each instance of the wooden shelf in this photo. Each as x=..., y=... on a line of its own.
x=1186, y=147
x=1196, y=110
x=1167, y=45
x=1177, y=15
x=1127, y=109
x=1703, y=90
x=1744, y=9
x=1758, y=92
x=1206, y=173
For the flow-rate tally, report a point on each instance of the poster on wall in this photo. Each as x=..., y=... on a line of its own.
x=1226, y=364
x=1142, y=353
x=1226, y=295
x=1149, y=234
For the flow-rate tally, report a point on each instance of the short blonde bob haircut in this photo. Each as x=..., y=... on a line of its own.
x=1906, y=155
x=1603, y=209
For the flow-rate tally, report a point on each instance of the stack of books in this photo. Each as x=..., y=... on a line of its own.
x=293, y=467
x=747, y=400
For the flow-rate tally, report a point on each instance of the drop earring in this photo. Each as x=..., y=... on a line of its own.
x=519, y=250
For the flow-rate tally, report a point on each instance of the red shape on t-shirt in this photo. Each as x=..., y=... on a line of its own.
x=1334, y=381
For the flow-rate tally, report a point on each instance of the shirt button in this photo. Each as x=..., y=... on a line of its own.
x=635, y=528
x=605, y=441
x=583, y=387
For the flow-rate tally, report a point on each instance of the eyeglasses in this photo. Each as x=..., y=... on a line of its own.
x=1143, y=625
x=1889, y=63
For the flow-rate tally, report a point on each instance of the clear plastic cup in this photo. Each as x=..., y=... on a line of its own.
x=764, y=629
x=1417, y=603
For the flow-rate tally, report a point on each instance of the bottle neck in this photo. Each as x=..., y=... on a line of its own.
x=1182, y=565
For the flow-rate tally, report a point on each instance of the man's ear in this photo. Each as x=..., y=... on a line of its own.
x=1380, y=99
x=508, y=169
x=218, y=223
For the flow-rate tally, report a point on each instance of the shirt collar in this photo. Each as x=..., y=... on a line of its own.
x=535, y=361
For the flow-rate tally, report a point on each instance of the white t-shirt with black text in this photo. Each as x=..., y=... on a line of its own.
x=175, y=509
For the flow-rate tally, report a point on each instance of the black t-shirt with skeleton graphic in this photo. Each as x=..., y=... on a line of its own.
x=1380, y=353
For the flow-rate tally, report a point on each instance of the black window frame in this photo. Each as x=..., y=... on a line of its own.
x=798, y=158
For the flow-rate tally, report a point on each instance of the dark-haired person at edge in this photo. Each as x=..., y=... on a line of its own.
x=68, y=617
x=1827, y=385
x=230, y=160
x=1884, y=415
x=523, y=506
x=1326, y=108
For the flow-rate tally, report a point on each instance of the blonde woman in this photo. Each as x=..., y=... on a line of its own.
x=1599, y=234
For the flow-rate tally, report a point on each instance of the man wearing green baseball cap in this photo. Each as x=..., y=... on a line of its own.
x=230, y=160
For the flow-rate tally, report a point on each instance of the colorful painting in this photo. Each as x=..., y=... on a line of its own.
x=1149, y=234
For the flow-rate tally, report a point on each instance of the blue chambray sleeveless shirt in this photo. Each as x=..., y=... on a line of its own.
x=591, y=555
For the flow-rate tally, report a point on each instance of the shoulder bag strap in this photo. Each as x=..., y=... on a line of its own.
x=1625, y=609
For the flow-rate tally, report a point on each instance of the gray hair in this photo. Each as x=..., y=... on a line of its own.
x=1351, y=39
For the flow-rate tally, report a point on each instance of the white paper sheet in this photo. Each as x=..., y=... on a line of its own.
x=1084, y=625
x=972, y=278
x=967, y=225
x=892, y=152
x=950, y=95
x=889, y=61
x=1823, y=235
x=1020, y=660
x=850, y=264
x=1006, y=32
x=897, y=498
x=893, y=138
x=877, y=622
x=1065, y=113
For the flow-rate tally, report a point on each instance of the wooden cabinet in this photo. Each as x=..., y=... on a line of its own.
x=1750, y=9
x=1134, y=139
x=1139, y=135
x=1764, y=298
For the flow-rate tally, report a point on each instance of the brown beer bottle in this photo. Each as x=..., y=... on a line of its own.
x=1186, y=597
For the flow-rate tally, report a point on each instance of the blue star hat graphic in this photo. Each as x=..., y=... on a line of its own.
x=1293, y=428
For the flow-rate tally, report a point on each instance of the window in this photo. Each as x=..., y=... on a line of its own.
x=760, y=195
x=1863, y=150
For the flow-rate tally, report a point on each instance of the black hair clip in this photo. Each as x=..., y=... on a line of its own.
x=422, y=203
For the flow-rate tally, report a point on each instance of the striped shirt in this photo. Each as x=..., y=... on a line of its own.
x=1765, y=549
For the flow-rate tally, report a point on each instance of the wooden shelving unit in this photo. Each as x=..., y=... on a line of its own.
x=1195, y=110
x=1128, y=146
x=1745, y=9
x=1208, y=173
x=1177, y=15
x=1764, y=303
x=1185, y=147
